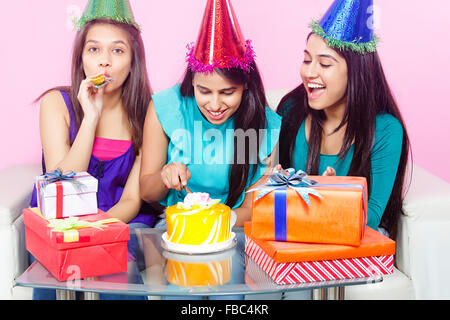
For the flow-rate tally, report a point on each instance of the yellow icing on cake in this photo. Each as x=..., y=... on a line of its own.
x=198, y=225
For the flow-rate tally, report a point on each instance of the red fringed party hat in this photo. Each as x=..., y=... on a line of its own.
x=220, y=43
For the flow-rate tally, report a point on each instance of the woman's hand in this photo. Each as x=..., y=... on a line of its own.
x=277, y=168
x=91, y=99
x=329, y=172
x=175, y=176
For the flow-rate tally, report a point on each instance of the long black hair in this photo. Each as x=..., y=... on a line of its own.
x=368, y=94
x=250, y=115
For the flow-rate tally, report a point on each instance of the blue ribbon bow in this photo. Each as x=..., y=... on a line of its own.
x=279, y=182
x=58, y=175
x=297, y=181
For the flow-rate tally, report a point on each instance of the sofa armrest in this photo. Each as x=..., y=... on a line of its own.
x=16, y=184
x=424, y=235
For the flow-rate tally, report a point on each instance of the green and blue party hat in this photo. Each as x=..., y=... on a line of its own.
x=348, y=25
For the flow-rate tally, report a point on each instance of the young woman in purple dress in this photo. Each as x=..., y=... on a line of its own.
x=99, y=130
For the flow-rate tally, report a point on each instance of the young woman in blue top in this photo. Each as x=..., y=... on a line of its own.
x=204, y=111
x=214, y=132
x=343, y=119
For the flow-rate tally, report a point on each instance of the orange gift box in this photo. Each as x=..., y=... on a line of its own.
x=338, y=217
x=372, y=244
x=294, y=262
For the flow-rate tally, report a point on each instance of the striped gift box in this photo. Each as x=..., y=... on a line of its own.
x=310, y=271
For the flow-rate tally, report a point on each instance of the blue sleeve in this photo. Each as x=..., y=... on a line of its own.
x=168, y=106
x=385, y=158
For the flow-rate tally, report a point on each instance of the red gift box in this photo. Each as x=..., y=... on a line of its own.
x=94, y=251
x=290, y=262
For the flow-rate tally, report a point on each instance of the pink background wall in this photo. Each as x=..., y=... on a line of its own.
x=37, y=40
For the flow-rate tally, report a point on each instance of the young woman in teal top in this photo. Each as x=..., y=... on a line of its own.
x=343, y=120
x=385, y=157
x=214, y=132
x=197, y=151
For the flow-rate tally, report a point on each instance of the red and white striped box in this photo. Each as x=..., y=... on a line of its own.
x=290, y=263
x=310, y=271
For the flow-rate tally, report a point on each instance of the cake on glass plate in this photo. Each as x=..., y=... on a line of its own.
x=199, y=220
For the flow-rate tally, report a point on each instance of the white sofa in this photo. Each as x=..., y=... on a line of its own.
x=16, y=183
x=423, y=244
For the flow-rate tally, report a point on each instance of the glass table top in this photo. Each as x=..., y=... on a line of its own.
x=154, y=271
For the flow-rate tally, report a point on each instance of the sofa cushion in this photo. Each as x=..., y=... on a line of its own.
x=396, y=286
x=427, y=195
x=274, y=97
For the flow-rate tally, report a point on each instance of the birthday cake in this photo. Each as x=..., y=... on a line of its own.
x=199, y=220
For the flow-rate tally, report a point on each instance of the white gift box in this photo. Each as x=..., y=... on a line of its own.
x=73, y=199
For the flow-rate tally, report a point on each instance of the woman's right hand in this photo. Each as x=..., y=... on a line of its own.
x=329, y=172
x=91, y=99
x=175, y=176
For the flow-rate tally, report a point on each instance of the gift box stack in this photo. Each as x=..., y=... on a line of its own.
x=313, y=228
x=68, y=234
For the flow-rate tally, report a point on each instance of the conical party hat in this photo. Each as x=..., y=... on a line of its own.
x=117, y=10
x=220, y=43
x=348, y=24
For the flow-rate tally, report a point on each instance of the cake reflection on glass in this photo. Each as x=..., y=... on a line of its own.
x=199, y=220
x=192, y=273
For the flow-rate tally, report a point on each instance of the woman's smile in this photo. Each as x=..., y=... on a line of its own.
x=315, y=90
x=216, y=115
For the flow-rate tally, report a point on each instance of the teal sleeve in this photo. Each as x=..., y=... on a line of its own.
x=385, y=158
x=168, y=105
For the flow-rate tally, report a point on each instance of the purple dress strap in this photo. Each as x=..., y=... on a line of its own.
x=112, y=176
x=73, y=126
